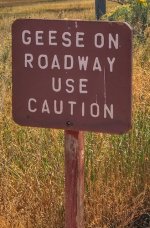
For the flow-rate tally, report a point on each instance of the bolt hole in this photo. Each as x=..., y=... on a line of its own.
x=69, y=124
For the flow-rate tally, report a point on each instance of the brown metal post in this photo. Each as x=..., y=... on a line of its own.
x=74, y=179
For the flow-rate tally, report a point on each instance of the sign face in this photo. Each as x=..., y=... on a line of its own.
x=72, y=74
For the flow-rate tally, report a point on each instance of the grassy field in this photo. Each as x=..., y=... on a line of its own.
x=117, y=168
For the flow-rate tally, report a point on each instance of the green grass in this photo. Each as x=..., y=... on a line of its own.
x=117, y=168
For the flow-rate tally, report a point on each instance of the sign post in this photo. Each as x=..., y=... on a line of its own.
x=76, y=76
x=74, y=179
x=100, y=8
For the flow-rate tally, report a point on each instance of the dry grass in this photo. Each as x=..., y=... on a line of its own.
x=117, y=168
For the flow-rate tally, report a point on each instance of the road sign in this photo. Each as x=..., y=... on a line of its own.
x=72, y=74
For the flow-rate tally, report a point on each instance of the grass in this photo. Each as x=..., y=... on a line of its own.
x=32, y=160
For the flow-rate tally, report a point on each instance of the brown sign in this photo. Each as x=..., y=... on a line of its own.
x=72, y=74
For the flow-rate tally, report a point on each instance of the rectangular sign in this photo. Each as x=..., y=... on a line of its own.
x=72, y=74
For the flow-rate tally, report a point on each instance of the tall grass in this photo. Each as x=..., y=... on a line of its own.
x=32, y=160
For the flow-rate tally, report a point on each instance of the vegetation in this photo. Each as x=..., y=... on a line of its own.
x=117, y=168
x=137, y=14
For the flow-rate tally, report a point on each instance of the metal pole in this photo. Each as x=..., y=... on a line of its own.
x=74, y=179
x=100, y=8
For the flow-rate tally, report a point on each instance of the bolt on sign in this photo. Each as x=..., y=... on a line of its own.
x=72, y=74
